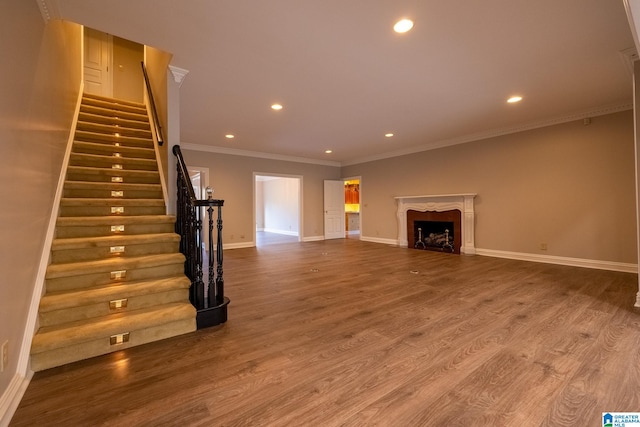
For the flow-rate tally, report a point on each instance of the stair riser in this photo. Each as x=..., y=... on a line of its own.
x=115, y=108
x=61, y=356
x=67, y=211
x=110, y=150
x=91, y=254
x=98, y=231
x=111, y=114
x=106, y=194
x=112, y=130
x=109, y=120
x=100, y=161
x=121, y=141
x=90, y=311
x=107, y=175
x=104, y=278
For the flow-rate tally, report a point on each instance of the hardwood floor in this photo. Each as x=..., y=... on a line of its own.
x=350, y=333
x=264, y=238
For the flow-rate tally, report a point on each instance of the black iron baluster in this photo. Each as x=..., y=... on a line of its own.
x=219, y=277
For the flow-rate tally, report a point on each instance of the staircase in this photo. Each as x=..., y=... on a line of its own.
x=116, y=276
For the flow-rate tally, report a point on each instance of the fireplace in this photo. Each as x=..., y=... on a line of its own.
x=434, y=231
x=432, y=206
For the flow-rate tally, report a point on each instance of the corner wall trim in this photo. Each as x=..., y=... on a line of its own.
x=313, y=239
x=559, y=260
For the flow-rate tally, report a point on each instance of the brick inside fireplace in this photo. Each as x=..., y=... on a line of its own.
x=431, y=222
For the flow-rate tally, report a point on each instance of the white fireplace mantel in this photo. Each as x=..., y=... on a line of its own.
x=439, y=203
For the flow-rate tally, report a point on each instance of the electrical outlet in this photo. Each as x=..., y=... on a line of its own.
x=5, y=356
x=543, y=246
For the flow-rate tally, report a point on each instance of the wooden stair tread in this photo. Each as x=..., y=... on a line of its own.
x=90, y=185
x=105, y=139
x=115, y=240
x=51, y=337
x=114, y=220
x=92, y=158
x=107, y=265
x=110, y=202
x=114, y=120
x=67, y=299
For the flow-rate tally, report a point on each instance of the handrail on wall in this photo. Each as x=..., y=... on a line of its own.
x=154, y=111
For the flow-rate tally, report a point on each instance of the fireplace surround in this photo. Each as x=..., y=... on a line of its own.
x=440, y=203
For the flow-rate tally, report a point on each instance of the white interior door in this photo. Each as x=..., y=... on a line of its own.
x=334, y=210
x=98, y=59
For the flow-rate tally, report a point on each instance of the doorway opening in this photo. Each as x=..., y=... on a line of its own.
x=277, y=209
x=352, y=207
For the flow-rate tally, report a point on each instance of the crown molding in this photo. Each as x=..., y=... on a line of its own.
x=601, y=111
x=49, y=9
x=178, y=74
x=257, y=154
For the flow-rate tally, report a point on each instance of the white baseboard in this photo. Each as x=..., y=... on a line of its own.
x=552, y=259
x=285, y=232
x=392, y=242
x=11, y=397
x=313, y=238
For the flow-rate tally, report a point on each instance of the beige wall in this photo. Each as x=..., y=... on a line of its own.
x=569, y=185
x=39, y=83
x=157, y=63
x=281, y=209
x=127, y=73
x=232, y=180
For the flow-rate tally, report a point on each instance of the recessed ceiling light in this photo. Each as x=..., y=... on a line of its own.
x=328, y=151
x=229, y=136
x=403, y=25
x=276, y=107
x=514, y=99
x=388, y=135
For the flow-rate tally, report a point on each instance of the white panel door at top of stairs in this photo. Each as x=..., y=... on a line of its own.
x=98, y=63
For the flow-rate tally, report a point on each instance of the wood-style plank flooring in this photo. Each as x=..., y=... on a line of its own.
x=350, y=333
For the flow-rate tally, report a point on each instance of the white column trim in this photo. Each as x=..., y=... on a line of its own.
x=178, y=74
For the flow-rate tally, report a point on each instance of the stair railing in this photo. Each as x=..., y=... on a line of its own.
x=209, y=300
x=152, y=103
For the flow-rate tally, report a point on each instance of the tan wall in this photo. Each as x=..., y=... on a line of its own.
x=569, y=185
x=39, y=92
x=157, y=62
x=127, y=73
x=232, y=180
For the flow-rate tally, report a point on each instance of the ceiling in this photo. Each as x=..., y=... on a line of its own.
x=346, y=79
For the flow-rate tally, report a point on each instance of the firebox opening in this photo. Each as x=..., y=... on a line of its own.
x=441, y=231
x=434, y=235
